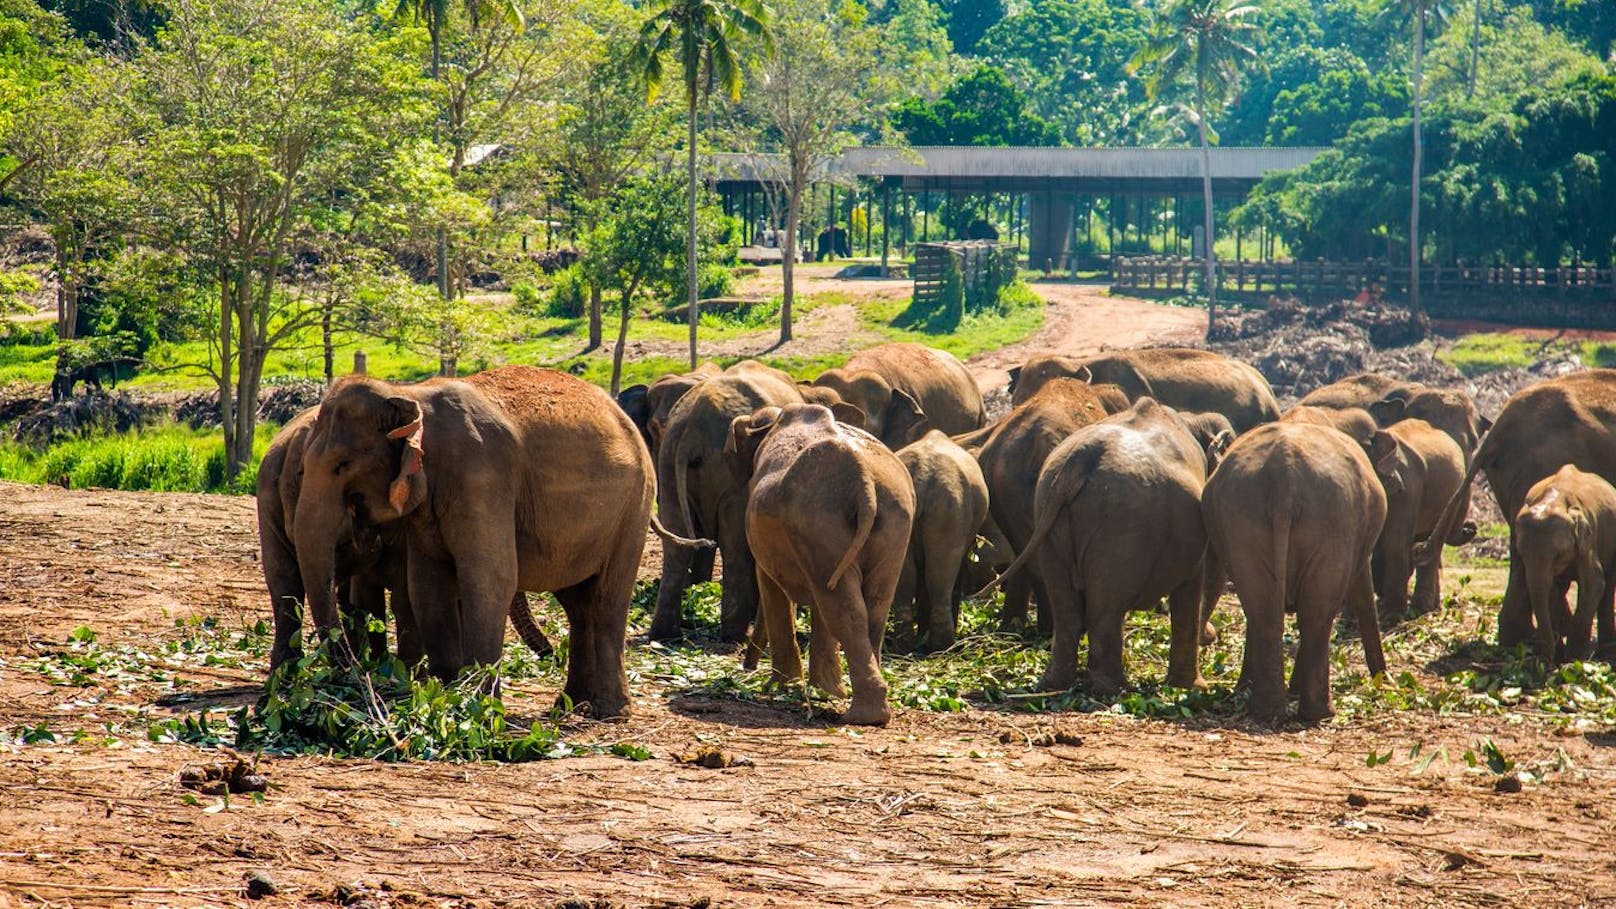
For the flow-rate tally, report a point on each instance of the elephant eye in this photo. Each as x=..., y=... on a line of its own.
x=343, y=465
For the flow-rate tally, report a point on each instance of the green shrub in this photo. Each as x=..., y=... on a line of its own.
x=714, y=280
x=569, y=295
x=529, y=300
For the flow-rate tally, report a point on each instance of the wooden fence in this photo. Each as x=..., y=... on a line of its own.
x=932, y=266
x=1577, y=296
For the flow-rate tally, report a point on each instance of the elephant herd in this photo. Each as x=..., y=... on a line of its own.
x=879, y=495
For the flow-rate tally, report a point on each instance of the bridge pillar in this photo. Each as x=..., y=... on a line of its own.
x=1049, y=222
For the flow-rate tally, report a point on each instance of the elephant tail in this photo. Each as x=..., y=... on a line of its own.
x=527, y=629
x=861, y=532
x=681, y=487
x=1046, y=522
x=669, y=536
x=1448, y=528
x=1282, y=553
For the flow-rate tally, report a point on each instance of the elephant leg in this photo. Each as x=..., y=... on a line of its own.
x=848, y=620
x=285, y=584
x=937, y=592
x=1046, y=616
x=597, y=619
x=1396, y=565
x=1377, y=567
x=676, y=569
x=739, y=603
x=1013, y=615
x=1263, y=668
x=1184, y=617
x=434, y=599
x=702, y=562
x=1315, y=616
x=1515, y=612
x=1067, y=609
x=904, y=618
x=1427, y=588
x=785, y=659
x=824, y=656
x=1105, y=614
x=410, y=649
x=1607, y=613
x=367, y=600
x=1214, y=579
x=1579, y=638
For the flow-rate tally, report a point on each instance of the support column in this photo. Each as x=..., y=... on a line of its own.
x=1049, y=221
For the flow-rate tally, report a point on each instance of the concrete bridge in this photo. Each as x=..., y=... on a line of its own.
x=1052, y=179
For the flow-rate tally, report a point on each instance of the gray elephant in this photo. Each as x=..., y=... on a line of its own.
x=1011, y=460
x=951, y=503
x=1389, y=400
x=937, y=381
x=513, y=479
x=649, y=405
x=829, y=517
x=1293, y=512
x=1425, y=471
x=1565, y=532
x=1569, y=420
x=1190, y=380
x=1118, y=527
x=697, y=496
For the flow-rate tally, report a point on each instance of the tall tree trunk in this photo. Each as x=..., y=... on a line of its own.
x=435, y=26
x=1414, y=206
x=226, y=374
x=594, y=316
x=788, y=253
x=690, y=226
x=325, y=340
x=1210, y=253
x=622, y=335
x=1475, y=51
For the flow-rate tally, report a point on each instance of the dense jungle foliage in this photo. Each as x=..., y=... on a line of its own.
x=230, y=178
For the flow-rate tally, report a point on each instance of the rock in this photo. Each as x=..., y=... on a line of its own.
x=259, y=885
x=1357, y=800
x=1508, y=783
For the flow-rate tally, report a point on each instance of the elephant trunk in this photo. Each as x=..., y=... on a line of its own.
x=316, y=530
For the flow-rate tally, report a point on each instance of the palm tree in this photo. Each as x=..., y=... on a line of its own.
x=703, y=35
x=1421, y=10
x=1211, y=40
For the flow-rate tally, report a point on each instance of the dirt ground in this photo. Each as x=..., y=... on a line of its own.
x=938, y=810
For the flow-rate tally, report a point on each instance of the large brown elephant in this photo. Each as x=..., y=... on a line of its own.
x=1011, y=460
x=513, y=479
x=829, y=518
x=1566, y=532
x=951, y=502
x=873, y=379
x=1118, y=527
x=649, y=405
x=1569, y=420
x=371, y=563
x=1190, y=380
x=1293, y=512
x=699, y=497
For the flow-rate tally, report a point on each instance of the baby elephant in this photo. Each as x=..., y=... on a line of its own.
x=1566, y=532
x=828, y=519
x=951, y=502
x=1293, y=513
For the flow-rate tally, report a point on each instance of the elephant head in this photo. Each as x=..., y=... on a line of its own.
x=1390, y=460
x=1026, y=379
x=1213, y=431
x=363, y=466
x=1449, y=410
x=890, y=414
x=746, y=435
x=649, y=405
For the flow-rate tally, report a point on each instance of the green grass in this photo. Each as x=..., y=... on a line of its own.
x=168, y=459
x=1486, y=352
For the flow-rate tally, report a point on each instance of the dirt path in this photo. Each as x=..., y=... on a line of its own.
x=939, y=810
x=1083, y=319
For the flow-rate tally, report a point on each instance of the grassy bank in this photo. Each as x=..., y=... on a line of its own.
x=1489, y=351
x=169, y=458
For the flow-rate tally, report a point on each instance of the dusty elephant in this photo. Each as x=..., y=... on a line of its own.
x=1569, y=420
x=1389, y=400
x=1354, y=421
x=951, y=502
x=513, y=479
x=1118, y=527
x=1419, y=477
x=698, y=496
x=1565, y=532
x=370, y=565
x=872, y=379
x=829, y=517
x=1187, y=379
x=1293, y=512
x=649, y=405
x=1011, y=460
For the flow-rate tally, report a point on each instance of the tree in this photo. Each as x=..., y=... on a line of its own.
x=607, y=131
x=252, y=114
x=703, y=36
x=1421, y=11
x=1210, y=42
x=35, y=50
x=983, y=108
x=823, y=76
x=637, y=246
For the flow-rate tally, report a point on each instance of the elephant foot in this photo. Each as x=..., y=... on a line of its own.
x=1209, y=635
x=1105, y=688
x=1312, y=710
x=1056, y=681
x=599, y=707
x=1186, y=680
x=827, y=680
x=1268, y=707
x=937, y=642
x=868, y=712
x=665, y=629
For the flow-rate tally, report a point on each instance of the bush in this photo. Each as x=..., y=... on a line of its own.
x=714, y=280
x=569, y=295
x=529, y=300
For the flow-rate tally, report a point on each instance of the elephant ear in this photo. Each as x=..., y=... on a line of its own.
x=847, y=414
x=820, y=394
x=1015, y=376
x=1483, y=425
x=746, y=435
x=409, y=487
x=904, y=421
x=1085, y=375
x=1383, y=452
x=1215, y=448
x=1390, y=409
x=637, y=404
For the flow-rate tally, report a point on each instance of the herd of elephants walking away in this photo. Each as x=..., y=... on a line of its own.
x=1113, y=482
